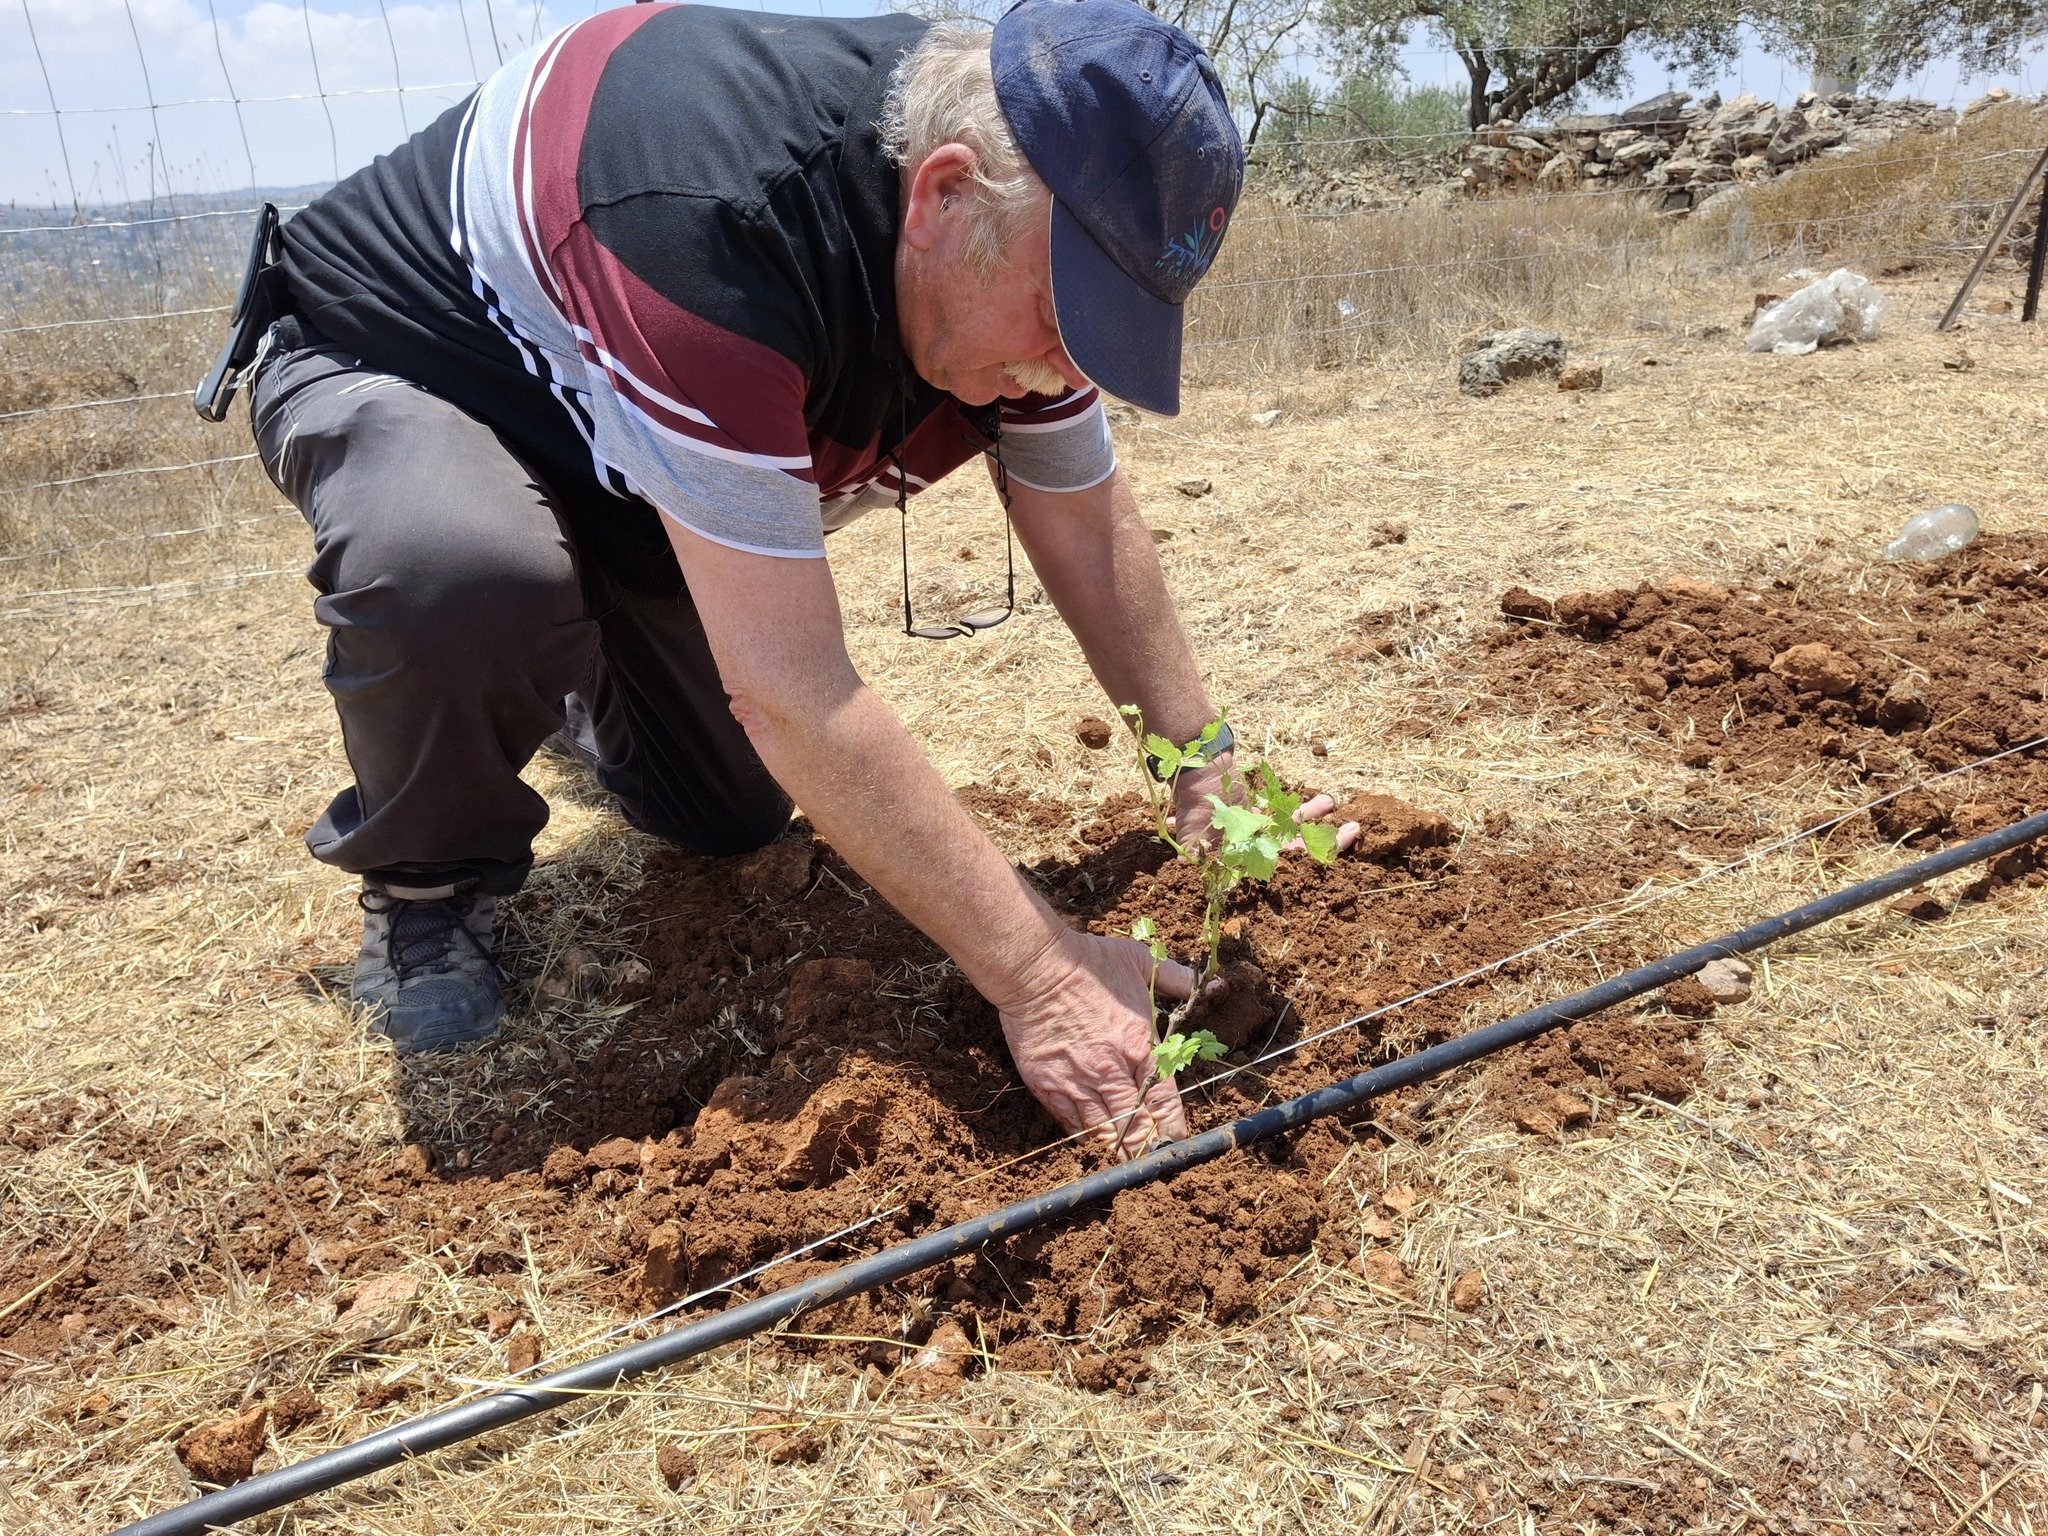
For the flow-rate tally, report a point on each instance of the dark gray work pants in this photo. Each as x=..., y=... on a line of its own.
x=459, y=621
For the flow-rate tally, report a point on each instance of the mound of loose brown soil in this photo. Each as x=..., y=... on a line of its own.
x=787, y=1057
x=796, y=1065
x=1877, y=681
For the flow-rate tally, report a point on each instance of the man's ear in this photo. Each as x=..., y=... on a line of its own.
x=946, y=174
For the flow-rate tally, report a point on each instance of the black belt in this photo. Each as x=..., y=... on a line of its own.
x=260, y=301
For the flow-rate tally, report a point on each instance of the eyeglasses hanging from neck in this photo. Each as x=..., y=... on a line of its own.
x=980, y=618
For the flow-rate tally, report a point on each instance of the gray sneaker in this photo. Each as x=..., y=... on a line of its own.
x=425, y=970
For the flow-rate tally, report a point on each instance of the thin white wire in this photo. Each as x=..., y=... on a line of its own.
x=63, y=148
x=91, y=405
x=220, y=52
x=222, y=101
x=116, y=474
x=320, y=88
x=1475, y=974
x=158, y=314
x=130, y=597
x=676, y=1306
x=1628, y=909
x=53, y=550
x=169, y=218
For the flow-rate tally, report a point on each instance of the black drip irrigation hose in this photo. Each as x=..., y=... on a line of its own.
x=562, y=1389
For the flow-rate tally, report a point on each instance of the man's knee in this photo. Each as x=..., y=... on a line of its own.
x=733, y=825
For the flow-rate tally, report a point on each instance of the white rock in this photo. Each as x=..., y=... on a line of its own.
x=1726, y=981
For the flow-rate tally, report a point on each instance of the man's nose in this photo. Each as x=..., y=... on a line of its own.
x=1075, y=378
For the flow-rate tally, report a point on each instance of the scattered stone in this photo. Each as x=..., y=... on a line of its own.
x=1696, y=591
x=675, y=1465
x=1384, y=532
x=1726, y=981
x=941, y=1364
x=1265, y=418
x=632, y=980
x=1094, y=733
x=1388, y=827
x=1904, y=703
x=382, y=1291
x=1921, y=908
x=382, y=1308
x=1376, y=1227
x=1468, y=1291
x=1194, y=488
x=1401, y=1198
x=294, y=1409
x=1547, y=1119
x=1499, y=357
x=1581, y=376
x=577, y=976
x=1594, y=613
x=1689, y=151
x=563, y=1167
x=665, y=1267
x=621, y=1154
x=1521, y=603
x=779, y=872
x=1910, y=815
x=417, y=1161
x=1816, y=668
x=225, y=1450
x=1689, y=999
x=781, y=1442
x=500, y=1321
x=1383, y=1270
x=522, y=1354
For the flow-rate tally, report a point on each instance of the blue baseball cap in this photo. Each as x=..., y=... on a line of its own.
x=1123, y=118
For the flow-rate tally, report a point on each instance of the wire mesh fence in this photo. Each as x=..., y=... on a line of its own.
x=113, y=492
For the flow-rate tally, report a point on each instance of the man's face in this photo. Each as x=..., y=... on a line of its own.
x=979, y=336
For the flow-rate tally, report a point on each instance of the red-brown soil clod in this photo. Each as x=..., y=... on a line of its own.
x=225, y=1450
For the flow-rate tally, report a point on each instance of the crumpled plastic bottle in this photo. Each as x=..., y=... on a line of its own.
x=1934, y=535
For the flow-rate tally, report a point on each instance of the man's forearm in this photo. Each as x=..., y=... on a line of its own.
x=1101, y=569
x=848, y=761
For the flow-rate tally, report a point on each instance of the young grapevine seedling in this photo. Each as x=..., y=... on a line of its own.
x=1255, y=819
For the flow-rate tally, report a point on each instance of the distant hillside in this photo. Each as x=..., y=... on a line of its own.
x=177, y=253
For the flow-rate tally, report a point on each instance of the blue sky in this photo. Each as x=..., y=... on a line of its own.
x=105, y=60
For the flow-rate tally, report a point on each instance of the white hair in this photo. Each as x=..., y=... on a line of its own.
x=943, y=92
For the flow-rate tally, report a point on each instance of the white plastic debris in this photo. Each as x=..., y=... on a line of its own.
x=1934, y=534
x=1843, y=306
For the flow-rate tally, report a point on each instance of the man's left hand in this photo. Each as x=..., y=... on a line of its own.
x=1192, y=814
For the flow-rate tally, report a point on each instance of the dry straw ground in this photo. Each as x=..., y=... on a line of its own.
x=1820, y=1283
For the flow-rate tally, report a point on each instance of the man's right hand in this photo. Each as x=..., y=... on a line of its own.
x=1083, y=1041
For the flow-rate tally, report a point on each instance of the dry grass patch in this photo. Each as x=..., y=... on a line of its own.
x=1820, y=1308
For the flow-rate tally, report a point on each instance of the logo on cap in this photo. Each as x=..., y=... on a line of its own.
x=1188, y=256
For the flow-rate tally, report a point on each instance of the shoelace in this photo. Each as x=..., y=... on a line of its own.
x=423, y=932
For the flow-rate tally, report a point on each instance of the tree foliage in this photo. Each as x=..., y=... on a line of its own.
x=1254, y=43
x=1872, y=44
x=1525, y=56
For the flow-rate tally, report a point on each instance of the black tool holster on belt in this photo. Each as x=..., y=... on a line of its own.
x=261, y=300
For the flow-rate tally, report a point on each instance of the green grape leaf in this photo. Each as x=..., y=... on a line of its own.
x=1256, y=859
x=1207, y=1046
x=1166, y=757
x=1173, y=1054
x=1238, y=823
x=1320, y=840
x=1144, y=928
